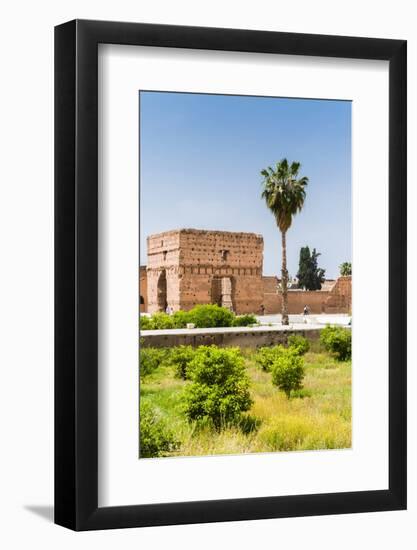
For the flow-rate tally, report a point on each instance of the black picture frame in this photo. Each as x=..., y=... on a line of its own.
x=76, y=272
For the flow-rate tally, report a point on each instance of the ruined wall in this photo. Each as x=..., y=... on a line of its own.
x=207, y=257
x=337, y=299
x=340, y=296
x=187, y=267
x=163, y=270
x=297, y=299
x=143, y=289
x=271, y=298
x=314, y=299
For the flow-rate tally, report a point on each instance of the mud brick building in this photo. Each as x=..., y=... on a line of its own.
x=187, y=267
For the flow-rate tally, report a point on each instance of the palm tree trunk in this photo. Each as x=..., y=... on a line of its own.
x=284, y=279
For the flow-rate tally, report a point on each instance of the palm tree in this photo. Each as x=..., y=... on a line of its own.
x=345, y=269
x=284, y=195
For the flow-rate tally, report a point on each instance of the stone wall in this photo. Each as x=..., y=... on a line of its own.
x=163, y=271
x=187, y=267
x=338, y=299
x=271, y=298
x=313, y=299
x=297, y=299
x=143, y=289
x=243, y=338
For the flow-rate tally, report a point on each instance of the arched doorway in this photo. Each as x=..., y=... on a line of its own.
x=162, y=291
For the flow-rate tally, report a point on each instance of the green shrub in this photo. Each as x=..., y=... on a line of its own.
x=180, y=357
x=219, y=389
x=155, y=437
x=298, y=343
x=338, y=341
x=162, y=321
x=150, y=359
x=145, y=323
x=202, y=316
x=288, y=372
x=211, y=315
x=244, y=320
x=265, y=357
x=181, y=318
x=249, y=423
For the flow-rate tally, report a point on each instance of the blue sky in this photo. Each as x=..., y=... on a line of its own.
x=200, y=162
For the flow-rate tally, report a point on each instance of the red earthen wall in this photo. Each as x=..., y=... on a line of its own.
x=189, y=260
x=185, y=265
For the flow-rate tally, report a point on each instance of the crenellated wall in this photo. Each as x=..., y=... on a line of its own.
x=187, y=267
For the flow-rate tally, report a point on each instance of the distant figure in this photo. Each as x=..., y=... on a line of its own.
x=306, y=310
x=168, y=310
x=262, y=309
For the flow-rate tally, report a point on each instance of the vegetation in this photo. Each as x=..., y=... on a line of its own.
x=338, y=341
x=345, y=269
x=150, y=359
x=180, y=357
x=310, y=276
x=265, y=357
x=219, y=389
x=211, y=315
x=155, y=438
x=202, y=316
x=288, y=371
x=318, y=416
x=300, y=344
x=244, y=320
x=159, y=321
x=145, y=323
x=181, y=319
x=284, y=195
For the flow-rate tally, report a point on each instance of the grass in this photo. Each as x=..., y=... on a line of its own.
x=316, y=417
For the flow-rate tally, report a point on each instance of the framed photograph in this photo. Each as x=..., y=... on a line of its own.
x=230, y=253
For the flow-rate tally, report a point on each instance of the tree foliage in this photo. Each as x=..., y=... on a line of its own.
x=284, y=194
x=345, y=269
x=180, y=357
x=337, y=341
x=265, y=356
x=219, y=388
x=298, y=343
x=288, y=371
x=202, y=316
x=156, y=439
x=310, y=276
x=150, y=359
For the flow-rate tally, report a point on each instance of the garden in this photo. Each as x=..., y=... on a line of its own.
x=210, y=400
x=201, y=316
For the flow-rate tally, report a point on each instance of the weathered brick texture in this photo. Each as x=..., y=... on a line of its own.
x=187, y=267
